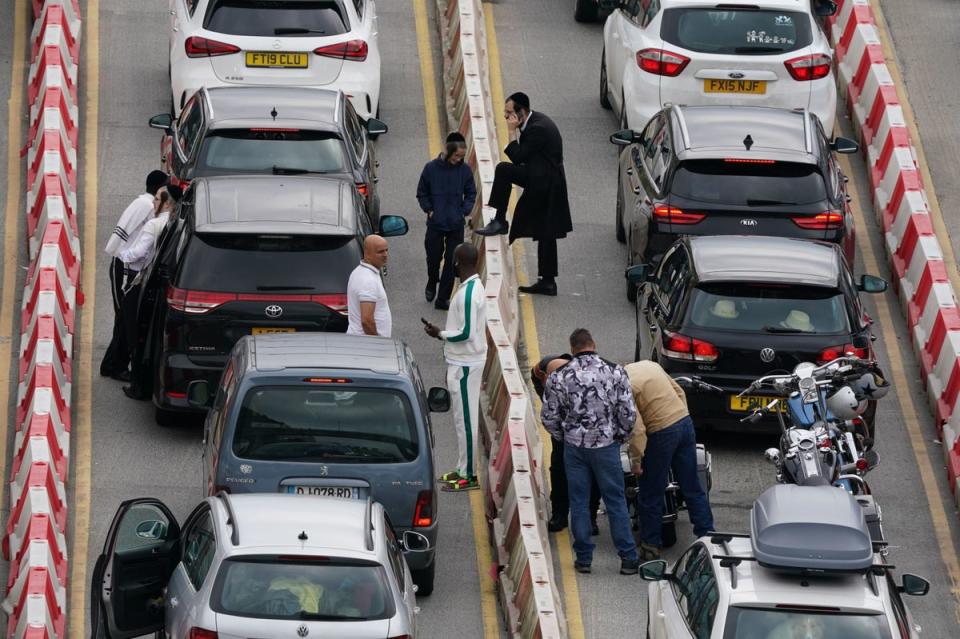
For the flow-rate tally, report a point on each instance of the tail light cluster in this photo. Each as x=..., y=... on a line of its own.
x=660, y=62
x=809, y=67
x=355, y=50
x=201, y=633
x=834, y=352
x=198, y=47
x=200, y=302
x=423, y=513
x=825, y=221
x=677, y=346
x=673, y=215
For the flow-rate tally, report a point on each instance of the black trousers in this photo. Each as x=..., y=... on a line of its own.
x=559, y=495
x=504, y=177
x=439, y=246
x=116, y=359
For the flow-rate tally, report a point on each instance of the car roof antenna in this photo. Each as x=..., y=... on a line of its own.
x=274, y=114
x=302, y=536
x=747, y=141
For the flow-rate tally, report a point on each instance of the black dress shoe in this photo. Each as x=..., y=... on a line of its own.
x=430, y=292
x=132, y=392
x=542, y=287
x=122, y=376
x=495, y=227
x=581, y=568
x=629, y=566
x=594, y=529
x=442, y=305
x=556, y=524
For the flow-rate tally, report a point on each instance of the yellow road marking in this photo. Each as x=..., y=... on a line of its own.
x=488, y=586
x=83, y=408
x=568, y=578
x=909, y=407
x=11, y=231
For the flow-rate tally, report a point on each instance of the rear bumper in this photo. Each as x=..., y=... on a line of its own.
x=175, y=372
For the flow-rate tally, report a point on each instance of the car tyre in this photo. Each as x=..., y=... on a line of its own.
x=621, y=234
x=424, y=579
x=165, y=417
x=604, y=86
x=586, y=11
x=668, y=534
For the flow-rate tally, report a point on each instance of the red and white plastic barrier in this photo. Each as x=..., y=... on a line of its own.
x=34, y=539
x=916, y=257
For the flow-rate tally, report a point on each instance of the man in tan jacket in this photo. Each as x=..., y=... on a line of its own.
x=663, y=438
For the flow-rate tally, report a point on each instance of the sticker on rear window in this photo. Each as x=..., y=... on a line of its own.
x=762, y=37
x=783, y=21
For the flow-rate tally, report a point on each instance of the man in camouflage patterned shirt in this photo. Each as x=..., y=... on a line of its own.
x=589, y=405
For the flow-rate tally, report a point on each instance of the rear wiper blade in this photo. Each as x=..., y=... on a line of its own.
x=296, y=31
x=286, y=170
x=782, y=329
x=315, y=616
x=285, y=288
x=757, y=50
x=751, y=202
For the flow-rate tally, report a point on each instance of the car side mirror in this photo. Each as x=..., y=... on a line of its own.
x=412, y=541
x=872, y=284
x=163, y=121
x=393, y=225
x=655, y=570
x=825, y=8
x=624, y=137
x=376, y=128
x=844, y=145
x=438, y=399
x=198, y=393
x=638, y=274
x=914, y=585
x=152, y=529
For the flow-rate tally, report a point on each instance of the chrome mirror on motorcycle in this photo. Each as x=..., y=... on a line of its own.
x=772, y=455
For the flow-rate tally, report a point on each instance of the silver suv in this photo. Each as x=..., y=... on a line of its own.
x=255, y=566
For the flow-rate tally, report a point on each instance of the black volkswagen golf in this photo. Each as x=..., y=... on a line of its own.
x=733, y=308
x=245, y=255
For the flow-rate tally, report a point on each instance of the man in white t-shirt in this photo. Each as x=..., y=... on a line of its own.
x=368, y=311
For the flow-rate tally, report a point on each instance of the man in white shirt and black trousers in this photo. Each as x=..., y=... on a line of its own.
x=465, y=349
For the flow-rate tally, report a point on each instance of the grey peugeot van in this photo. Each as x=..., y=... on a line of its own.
x=326, y=416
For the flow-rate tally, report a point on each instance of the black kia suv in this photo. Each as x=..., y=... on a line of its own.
x=245, y=255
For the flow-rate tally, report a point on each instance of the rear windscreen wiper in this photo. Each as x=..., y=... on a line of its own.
x=751, y=202
x=280, y=31
x=782, y=329
x=286, y=170
x=749, y=50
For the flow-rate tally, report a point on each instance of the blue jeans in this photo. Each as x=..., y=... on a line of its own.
x=673, y=447
x=603, y=464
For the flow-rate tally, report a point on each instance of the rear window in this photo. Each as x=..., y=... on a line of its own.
x=748, y=184
x=341, y=425
x=323, y=589
x=268, y=263
x=264, y=17
x=268, y=151
x=736, y=31
x=760, y=623
x=768, y=308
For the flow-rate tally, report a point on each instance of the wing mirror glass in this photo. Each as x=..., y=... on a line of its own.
x=198, y=393
x=914, y=585
x=825, y=8
x=412, y=541
x=153, y=529
x=844, y=145
x=655, y=570
x=624, y=137
x=393, y=225
x=438, y=399
x=376, y=128
x=872, y=284
x=162, y=121
x=637, y=274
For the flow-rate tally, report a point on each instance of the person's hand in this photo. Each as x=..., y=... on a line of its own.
x=636, y=468
x=513, y=121
x=431, y=330
x=429, y=214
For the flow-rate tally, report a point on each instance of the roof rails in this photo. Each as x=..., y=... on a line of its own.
x=206, y=95
x=336, y=107
x=231, y=517
x=807, y=134
x=368, y=524
x=683, y=126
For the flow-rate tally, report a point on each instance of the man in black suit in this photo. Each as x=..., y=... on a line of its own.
x=543, y=211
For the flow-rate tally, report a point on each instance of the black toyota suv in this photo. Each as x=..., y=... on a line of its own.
x=245, y=255
x=722, y=170
x=730, y=309
x=271, y=130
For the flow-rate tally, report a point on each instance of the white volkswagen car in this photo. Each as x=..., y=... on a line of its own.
x=305, y=43
x=699, y=52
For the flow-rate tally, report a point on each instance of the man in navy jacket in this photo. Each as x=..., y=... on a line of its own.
x=446, y=193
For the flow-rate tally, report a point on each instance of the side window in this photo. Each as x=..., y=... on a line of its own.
x=192, y=6
x=673, y=271
x=359, y=6
x=366, y=226
x=653, y=132
x=395, y=554
x=356, y=136
x=661, y=151
x=199, y=546
x=633, y=10
x=226, y=392
x=188, y=127
x=648, y=11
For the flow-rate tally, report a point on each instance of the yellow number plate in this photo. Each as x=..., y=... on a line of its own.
x=277, y=59
x=758, y=87
x=749, y=403
x=264, y=331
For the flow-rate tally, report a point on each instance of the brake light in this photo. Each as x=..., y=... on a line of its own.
x=336, y=303
x=423, y=513
x=834, y=352
x=660, y=62
x=674, y=215
x=327, y=380
x=746, y=161
x=355, y=50
x=198, y=47
x=809, y=67
x=176, y=395
x=820, y=222
x=202, y=633
x=677, y=346
x=200, y=302
x=364, y=188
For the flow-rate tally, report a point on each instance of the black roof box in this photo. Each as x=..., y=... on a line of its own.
x=811, y=529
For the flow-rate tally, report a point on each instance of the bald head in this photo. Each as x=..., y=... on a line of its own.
x=375, y=251
x=554, y=364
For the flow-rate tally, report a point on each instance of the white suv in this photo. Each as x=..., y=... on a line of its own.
x=808, y=570
x=698, y=52
x=255, y=566
x=305, y=43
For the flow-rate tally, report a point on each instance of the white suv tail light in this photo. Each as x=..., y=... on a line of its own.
x=660, y=62
x=809, y=67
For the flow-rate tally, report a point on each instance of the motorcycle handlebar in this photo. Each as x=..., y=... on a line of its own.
x=691, y=381
x=837, y=375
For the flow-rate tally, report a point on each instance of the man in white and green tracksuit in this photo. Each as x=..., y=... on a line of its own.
x=465, y=349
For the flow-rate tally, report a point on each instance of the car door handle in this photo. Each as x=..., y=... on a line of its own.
x=630, y=171
x=375, y=180
x=636, y=190
x=661, y=614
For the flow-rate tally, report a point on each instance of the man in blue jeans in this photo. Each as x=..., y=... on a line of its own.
x=589, y=405
x=663, y=438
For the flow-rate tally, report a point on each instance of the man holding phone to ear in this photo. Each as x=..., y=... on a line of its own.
x=543, y=211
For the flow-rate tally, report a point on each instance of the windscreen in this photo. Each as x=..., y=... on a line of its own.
x=749, y=184
x=264, y=17
x=766, y=623
x=768, y=308
x=269, y=150
x=268, y=263
x=731, y=31
x=343, y=425
x=324, y=589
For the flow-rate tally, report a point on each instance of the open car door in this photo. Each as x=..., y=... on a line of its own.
x=130, y=576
